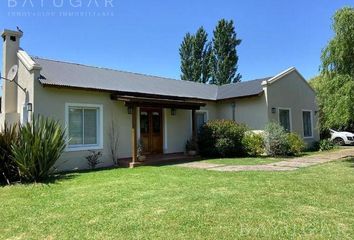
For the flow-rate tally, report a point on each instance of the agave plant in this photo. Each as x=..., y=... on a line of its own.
x=40, y=144
x=8, y=168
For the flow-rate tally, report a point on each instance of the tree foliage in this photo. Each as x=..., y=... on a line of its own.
x=195, y=53
x=338, y=56
x=225, y=58
x=335, y=85
x=186, y=54
x=211, y=62
x=335, y=95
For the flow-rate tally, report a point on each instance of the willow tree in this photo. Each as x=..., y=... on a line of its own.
x=335, y=85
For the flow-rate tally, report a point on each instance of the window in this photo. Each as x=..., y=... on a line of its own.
x=84, y=126
x=307, y=123
x=201, y=118
x=285, y=119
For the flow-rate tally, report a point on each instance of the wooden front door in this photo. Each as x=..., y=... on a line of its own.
x=151, y=130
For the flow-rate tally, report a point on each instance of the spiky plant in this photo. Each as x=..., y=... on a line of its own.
x=39, y=146
x=8, y=168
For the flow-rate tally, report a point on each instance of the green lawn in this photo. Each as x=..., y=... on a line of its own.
x=244, y=161
x=179, y=203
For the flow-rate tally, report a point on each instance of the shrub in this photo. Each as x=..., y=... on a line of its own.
x=295, y=144
x=313, y=147
x=253, y=144
x=39, y=146
x=8, y=168
x=326, y=145
x=221, y=138
x=276, y=140
x=93, y=159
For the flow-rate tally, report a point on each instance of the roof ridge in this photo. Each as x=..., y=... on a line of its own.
x=257, y=79
x=123, y=71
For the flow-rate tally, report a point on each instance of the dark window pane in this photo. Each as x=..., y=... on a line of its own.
x=307, y=124
x=144, y=122
x=90, y=126
x=75, y=126
x=156, y=122
x=201, y=120
x=284, y=119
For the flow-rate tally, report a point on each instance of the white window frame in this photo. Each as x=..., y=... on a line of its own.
x=311, y=118
x=83, y=147
x=290, y=116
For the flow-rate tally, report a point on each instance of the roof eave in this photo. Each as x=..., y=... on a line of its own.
x=241, y=97
x=138, y=94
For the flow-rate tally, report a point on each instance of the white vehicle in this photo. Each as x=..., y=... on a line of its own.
x=342, y=138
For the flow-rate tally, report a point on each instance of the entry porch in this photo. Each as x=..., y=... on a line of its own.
x=150, y=118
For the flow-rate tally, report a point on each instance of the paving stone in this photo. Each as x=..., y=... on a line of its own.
x=202, y=165
x=289, y=165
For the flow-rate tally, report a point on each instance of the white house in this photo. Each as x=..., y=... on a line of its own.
x=92, y=102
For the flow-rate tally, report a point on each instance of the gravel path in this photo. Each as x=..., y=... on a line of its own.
x=286, y=165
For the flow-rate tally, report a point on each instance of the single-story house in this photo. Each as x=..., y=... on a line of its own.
x=92, y=103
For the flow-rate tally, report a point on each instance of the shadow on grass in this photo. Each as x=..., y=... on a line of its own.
x=50, y=180
x=351, y=161
x=171, y=162
x=61, y=176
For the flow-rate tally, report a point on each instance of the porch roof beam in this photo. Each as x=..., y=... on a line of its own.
x=155, y=102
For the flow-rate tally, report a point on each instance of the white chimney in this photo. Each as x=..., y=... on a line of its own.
x=11, y=45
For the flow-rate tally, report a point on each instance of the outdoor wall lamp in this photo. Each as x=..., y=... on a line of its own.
x=29, y=107
x=130, y=110
x=274, y=110
x=173, y=111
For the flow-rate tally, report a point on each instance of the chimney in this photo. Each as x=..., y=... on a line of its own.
x=11, y=45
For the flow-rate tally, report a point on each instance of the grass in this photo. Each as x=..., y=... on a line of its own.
x=171, y=202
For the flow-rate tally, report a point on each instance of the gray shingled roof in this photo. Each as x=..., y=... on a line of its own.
x=65, y=74
x=241, y=89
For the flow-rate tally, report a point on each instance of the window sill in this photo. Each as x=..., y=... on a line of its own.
x=83, y=148
x=308, y=137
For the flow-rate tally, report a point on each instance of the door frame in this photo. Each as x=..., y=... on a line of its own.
x=150, y=110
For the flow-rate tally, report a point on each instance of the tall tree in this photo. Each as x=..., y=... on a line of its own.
x=338, y=56
x=335, y=85
x=206, y=65
x=186, y=54
x=195, y=53
x=225, y=58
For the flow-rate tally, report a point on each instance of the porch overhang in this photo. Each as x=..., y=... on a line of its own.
x=161, y=102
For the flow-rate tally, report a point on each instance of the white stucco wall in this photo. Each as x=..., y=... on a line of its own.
x=293, y=92
x=177, y=130
x=51, y=102
x=251, y=111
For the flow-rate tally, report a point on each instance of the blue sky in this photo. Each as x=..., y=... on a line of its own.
x=144, y=36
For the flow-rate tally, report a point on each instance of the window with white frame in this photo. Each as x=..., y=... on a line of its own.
x=307, y=123
x=285, y=118
x=84, y=126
